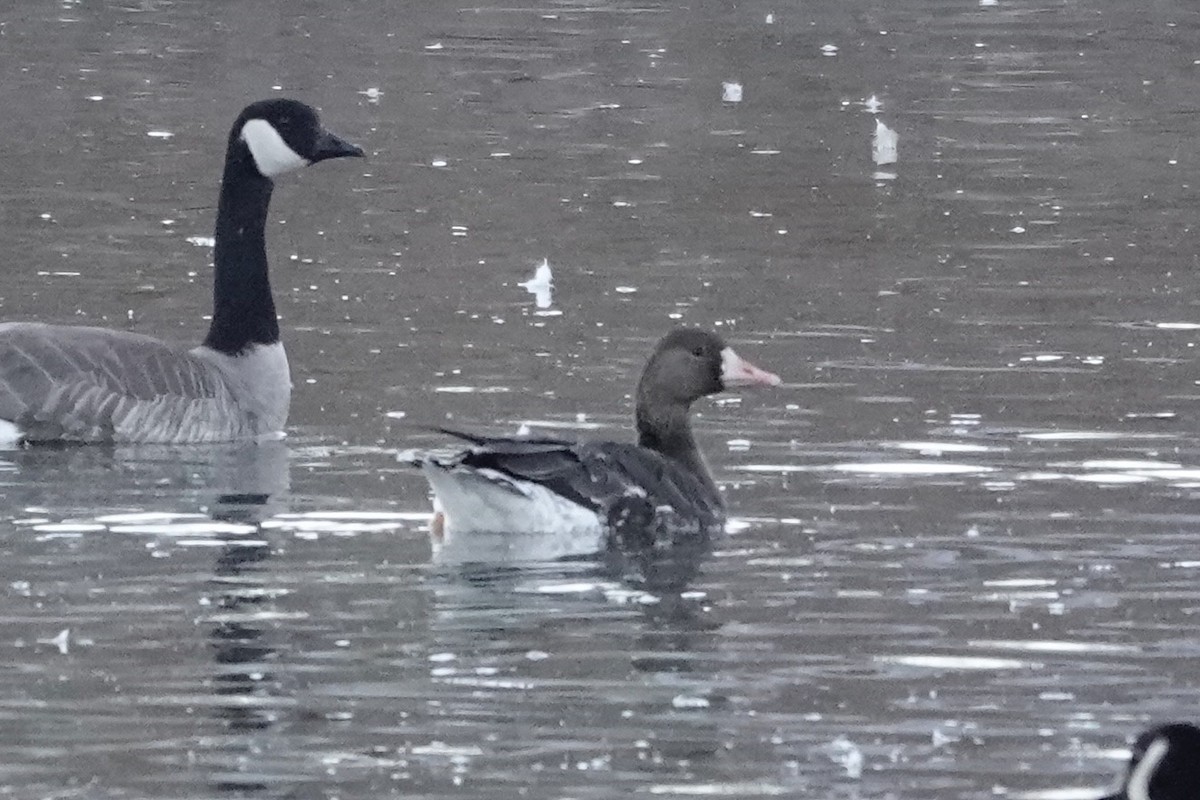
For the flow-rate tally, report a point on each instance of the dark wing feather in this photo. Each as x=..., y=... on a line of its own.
x=551, y=463
x=673, y=496
x=622, y=482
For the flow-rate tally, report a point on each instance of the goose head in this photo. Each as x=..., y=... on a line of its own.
x=689, y=364
x=281, y=135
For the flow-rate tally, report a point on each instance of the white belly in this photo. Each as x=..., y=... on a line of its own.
x=493, y=518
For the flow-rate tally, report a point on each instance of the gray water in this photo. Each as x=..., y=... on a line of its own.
x=962, y=562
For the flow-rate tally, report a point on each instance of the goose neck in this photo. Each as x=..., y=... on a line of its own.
x=668, y=431
x=243, y=306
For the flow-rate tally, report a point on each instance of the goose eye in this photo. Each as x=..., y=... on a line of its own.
x=698, y=352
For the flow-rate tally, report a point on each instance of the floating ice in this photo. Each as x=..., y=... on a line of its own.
x=731, y=92
x=208, y=528
x=938, y=448
x=883, y=144
x=575, y=587
x=711, y=789
x=686, y=701
x=939, y=739
x=141, y=517
x=62, y=641
x=1129, y=464
x=541, y=285
x=912, y=468
x=958, y=662
x=579, y=423
x=1046, y=646
x=462, y=389
x=63, y=528
x=846, y=753
x=446, y=751
x=1083, y=436
x=1111, y=478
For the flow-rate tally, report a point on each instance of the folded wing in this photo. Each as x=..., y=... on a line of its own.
x=93, y=384
x=623, y=483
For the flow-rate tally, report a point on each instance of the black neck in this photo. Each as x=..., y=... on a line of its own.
x=243, y=308
x=666, y=429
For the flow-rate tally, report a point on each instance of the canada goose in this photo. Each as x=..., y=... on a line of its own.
x=1165, y=765
x=84, y=384
x=588, y=490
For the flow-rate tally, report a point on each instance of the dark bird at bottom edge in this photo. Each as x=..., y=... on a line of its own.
x=1164, y=765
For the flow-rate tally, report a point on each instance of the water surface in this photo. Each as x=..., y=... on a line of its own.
x=961, y=563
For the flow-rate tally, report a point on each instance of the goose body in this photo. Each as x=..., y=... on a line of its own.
x=585, y=492
x=1164, y=765
x=86, y=384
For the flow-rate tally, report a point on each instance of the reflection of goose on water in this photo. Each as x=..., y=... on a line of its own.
x=572, y=496
x=240, y=482
x=248, y=693
x=84, y=384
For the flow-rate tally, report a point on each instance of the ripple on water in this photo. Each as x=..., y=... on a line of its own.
x=958, y=663
x=1053, y=646
x=344, y=523
x=743, y=789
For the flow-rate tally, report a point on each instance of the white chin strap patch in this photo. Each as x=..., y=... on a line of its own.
x=271, y=153
x=1139, y=778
